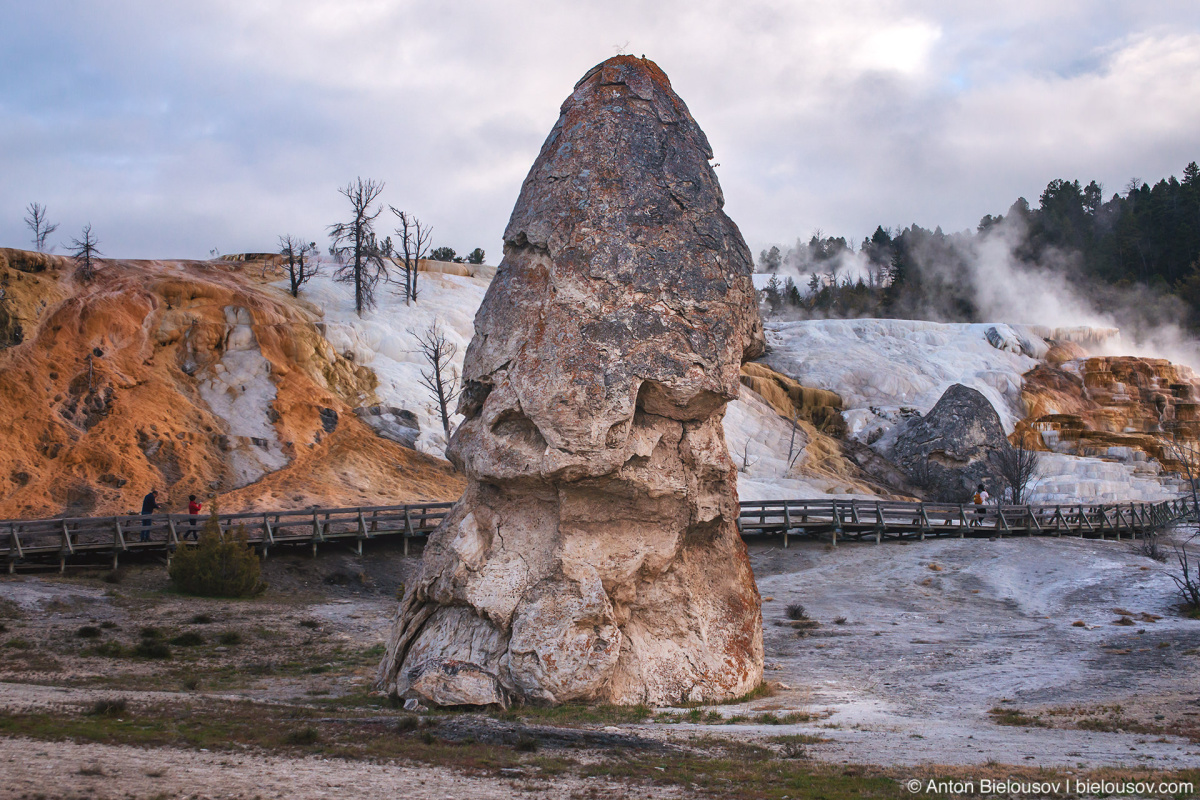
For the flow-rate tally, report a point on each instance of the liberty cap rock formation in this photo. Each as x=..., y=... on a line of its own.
x=595, y=554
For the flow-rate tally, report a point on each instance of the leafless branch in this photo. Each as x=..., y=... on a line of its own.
x=85, y=253
x=442, y=378
x=412, y=246
x=364, y=259
x=302, y=264
x=38, y=224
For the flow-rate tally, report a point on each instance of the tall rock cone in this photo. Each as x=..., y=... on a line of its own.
x=595, y=554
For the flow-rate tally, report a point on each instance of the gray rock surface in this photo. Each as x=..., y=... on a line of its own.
x=595, y=554
x=397, y=424
x=947, y=451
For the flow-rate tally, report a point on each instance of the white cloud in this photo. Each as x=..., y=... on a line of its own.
x=175, y=128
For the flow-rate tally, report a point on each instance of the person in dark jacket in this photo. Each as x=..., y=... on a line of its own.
x=149, y=506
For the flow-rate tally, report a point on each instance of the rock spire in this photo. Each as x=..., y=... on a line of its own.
x=595, y=553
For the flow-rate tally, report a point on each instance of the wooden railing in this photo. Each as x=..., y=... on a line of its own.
x=63, y=539
x=883, y=519
x=49, y=539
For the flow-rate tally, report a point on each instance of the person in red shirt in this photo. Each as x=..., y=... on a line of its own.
x=194, y=511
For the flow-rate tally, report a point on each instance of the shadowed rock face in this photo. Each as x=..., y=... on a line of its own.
x=948, y=450
x=595, y=554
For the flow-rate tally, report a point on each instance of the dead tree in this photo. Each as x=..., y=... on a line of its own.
x=302, y=263
x=85, y=254
x=38, y=224
x=1188, y=576
x=412, y=246
x=1188, y=458
x=1018, y=467
x=793, y=454
x=442, y=378
x=363, y=259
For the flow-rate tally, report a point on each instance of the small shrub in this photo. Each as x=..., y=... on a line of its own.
x=1014, y=717
x=230, y=638
x=188, y=639
x=152, y=648
x=303, y=736
x=406, y=724
x=19, y=644
x=108, y=625
x=1124, y=621
x=3, y=628
x=113, y=576
x=91, y=770
x=1078, y=624
x=150, y=633
x=109, y=649
x=427, y=737
x=191, y=683
x=88, y=632
x=796, y=611
x=769, y=719
x=108, y=707
x=216, y=566
x=839, y=621
x=309, y=623
x=526, y=744
x=200, y=619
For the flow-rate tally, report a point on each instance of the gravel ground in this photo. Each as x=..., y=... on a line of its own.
x=913, y=646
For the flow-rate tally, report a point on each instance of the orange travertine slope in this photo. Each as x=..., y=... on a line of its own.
x=187, y=376
x=1114, y=407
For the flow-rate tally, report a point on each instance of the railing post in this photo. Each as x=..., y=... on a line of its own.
x=787, y=523
x=408, y=528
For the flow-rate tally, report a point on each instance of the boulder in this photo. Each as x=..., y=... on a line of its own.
x=595, y=555
x=948, y=451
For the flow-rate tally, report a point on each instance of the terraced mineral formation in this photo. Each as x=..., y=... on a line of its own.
x=595, y=553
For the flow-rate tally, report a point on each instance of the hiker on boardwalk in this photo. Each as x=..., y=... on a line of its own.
x=149, y=506
x=193, y=512
x=980, y=499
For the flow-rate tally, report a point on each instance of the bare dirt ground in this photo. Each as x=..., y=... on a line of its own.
x=944, y=656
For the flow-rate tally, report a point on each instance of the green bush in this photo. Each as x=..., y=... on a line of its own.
x=218, y=566
x=188, y=639
x=152, y=648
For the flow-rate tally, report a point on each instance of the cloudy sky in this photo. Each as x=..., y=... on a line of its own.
x=179, y=127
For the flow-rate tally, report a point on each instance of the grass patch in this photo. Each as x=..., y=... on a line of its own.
x=526, y=744
x=150, y=632
x=1014, y=717
x=201, y=619
x=109, y=625
x=109, y=649
x=230, y=638
x=577, y=714
x=800, y=738
x=151, y=648
x=19, y=644
x=188, y=639
x=109, y=707
x=88, y=632
x=308, y=735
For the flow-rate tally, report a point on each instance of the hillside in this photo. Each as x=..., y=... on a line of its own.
x=191, y=377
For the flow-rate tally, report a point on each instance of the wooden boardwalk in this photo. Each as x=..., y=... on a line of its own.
x=84, y=540
x=877, y=520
